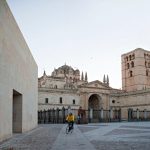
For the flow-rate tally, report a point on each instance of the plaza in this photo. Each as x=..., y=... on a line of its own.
x=102, y=110
x=112, y=136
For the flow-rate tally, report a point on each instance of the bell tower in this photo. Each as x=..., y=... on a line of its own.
x=136, y=70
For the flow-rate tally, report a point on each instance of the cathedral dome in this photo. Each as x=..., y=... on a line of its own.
x=68, y=72
x=65, y=69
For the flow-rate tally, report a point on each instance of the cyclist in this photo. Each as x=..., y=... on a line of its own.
x=70, y=120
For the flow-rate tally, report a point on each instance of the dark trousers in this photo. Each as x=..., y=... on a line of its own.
x=70, y=125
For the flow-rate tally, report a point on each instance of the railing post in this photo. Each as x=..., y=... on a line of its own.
x=120, y=115
x=49, y=116
x=101, y=114
x=111, y=115
x=63, y=115
x=44, y=114
x=145, y=114
x=91, y=115
x=137, y=114
x=57, y=115
x=53, y=114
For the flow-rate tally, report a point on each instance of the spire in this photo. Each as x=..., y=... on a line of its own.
x=44, y=74
x=86, y=78
x=107, y=80
x=104, y=79
x=82, y=77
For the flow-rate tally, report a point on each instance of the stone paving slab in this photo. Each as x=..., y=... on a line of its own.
x=72, y=141
x=105, y=138
x=41, y=138
x=101, y=136
x=120, y=145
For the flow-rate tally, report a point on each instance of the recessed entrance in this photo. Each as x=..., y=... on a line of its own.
x=94, y=104
x=17, y=112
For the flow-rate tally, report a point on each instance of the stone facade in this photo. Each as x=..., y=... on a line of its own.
x=66, y=88
x=66, y=83
x=136, y=70
x=18, y=79
x=135, y=83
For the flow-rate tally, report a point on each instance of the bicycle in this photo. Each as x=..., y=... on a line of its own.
x=69, y=128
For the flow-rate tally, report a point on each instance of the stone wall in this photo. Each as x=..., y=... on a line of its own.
x=18, y=78
x=54, y=96
x=135, y=100
x=136, y=70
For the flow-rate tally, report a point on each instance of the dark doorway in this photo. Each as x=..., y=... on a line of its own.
x=94, y=104
x=17, y=112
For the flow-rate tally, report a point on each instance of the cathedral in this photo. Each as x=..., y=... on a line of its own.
x=68, y=87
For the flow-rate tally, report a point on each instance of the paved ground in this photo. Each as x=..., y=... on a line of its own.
x=105, y=136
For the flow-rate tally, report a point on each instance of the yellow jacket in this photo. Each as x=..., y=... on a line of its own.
x=70, y=118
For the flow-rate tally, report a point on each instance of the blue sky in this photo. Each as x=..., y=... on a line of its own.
x=89, y=35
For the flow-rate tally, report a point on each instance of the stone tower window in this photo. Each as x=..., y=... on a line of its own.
x=148, y=64
x=132, y=64
x=55, y=86
x=130, y=57
x=145, y=63
x=146, y=72
x=60, y=100
x=128, y=65
x=127, y=58
x=131, y=73
x=133, y=56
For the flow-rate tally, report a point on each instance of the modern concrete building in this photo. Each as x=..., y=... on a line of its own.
x=18, y=78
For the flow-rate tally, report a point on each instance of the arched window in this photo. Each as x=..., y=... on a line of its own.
x=60, y=100
x=146, y=72
x=148, y=64
x=132, y=64
x=129, y=57
x=133, y=56
x=74, y=102
x=145, y=63
x=55, y=86
x=46, y=100
x=131, y=73
x=128, y=65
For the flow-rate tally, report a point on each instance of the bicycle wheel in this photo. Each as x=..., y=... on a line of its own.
x=71, y=130
x=67, y=129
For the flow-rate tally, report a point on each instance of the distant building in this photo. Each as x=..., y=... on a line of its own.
x=136, y=70
x=18, y=79
x=135, y=83
x=66, y=87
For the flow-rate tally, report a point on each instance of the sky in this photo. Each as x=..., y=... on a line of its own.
x=89, y=35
